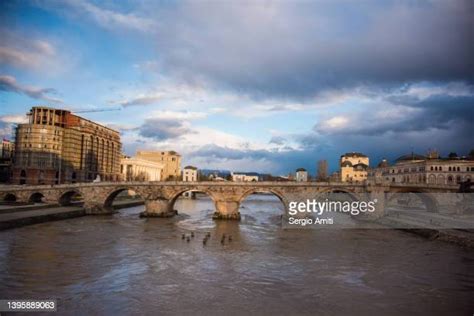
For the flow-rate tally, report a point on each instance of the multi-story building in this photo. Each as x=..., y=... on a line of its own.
x=56, y=146
x=190, y=174
x=134, y=169
x=431, y=169
x=301, y=175
x=354, y=167
x=6, y=159
x=244, y=176
x=171, y=161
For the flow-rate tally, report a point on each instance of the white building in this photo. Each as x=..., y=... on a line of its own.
x=244, y=176
x=135, y=169
x=190, y=174
x=301, y=175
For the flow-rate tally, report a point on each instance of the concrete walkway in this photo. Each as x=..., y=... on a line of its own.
x=12, y=216
x=22, y=218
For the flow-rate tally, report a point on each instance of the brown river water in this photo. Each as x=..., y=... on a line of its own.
x=124, y=265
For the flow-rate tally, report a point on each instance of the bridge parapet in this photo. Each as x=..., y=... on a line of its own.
x=160, y=197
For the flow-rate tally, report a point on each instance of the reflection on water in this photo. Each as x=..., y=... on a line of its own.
x=126, y=265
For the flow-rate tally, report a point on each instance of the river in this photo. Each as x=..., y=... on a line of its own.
x=122, y=264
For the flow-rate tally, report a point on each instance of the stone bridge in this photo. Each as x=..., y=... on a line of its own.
x=159, y=197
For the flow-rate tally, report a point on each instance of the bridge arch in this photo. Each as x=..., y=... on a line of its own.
x=174, y=197
x=283, y=199
x=354, y=196
x=111, y=195
x=9, y=197
x=68, y=197
x=36, y=197
x=426, y=198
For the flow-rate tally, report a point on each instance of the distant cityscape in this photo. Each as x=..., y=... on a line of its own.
x=57, y=146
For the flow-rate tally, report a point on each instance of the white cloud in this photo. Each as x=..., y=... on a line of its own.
x=7, y=123
x=177, y=115
x=111, y=19
x=15, y=119
x=33, y=54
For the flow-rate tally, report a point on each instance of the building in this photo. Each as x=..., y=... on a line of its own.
x=190, y=174
x=244, y=176
x=216, y=178
x=56, y=146
x=6, y=160
x=322, y=174
x=134, y=169
x=354, y=167
x=335, y=177
x=301, y=175
x=431, y=169
x=269, y=177
x=171, y=161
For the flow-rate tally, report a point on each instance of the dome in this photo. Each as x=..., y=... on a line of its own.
x=300, y=169
x=410, y=157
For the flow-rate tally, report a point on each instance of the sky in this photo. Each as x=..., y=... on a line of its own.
x=265, y=86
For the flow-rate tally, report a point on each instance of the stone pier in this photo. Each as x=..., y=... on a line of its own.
x=228, y=210
x=96, y=208
x=158, y=208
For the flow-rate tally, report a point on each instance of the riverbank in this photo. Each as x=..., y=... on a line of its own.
x=23, y=218
x=432, y=226
x=22, y=215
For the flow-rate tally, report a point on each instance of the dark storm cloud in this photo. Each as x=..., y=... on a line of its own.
x=296, y=50
x=161, y=129
x=442, y=112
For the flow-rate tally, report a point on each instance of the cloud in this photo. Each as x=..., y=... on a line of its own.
x=168, y=125
x=105, y=17
x=7, y=124
x=178, y=115
x=277, y=140
x=9, y=84
x=141, y=100
x=408, y=114
x=296, y=51
x=26, y=52
x=161, y=129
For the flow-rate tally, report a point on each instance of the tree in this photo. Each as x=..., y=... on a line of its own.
x=322, y=174
x=471, y=154
x=452, y=155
